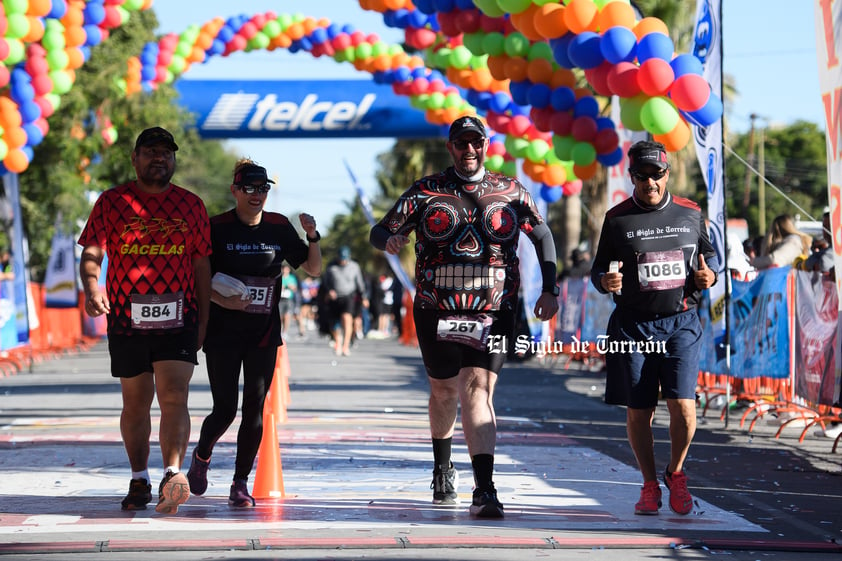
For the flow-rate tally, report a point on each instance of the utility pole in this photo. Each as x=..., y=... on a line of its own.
x=761, y=181
x=750, y=157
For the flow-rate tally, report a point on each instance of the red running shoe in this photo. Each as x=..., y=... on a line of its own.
x=681, y=502
x=650, y=499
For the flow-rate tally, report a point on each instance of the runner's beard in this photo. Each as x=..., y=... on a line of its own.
x=158, y=176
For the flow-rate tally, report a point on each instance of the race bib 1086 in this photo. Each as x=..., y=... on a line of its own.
x=661, y=270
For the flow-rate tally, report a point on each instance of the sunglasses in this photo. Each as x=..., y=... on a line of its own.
x=640, y=176
x=252, y=189
x=463, y=144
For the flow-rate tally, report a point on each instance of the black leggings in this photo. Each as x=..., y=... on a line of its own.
x=258, y=365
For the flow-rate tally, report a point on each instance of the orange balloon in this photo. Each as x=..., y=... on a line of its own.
x=197, y=54
x=15, y=137
x=616, y=14
x=280, y=41
x=585, y=172
x=310, y=24
x=9, y=114
x=496, y=65
x=75, y=58
x=377, y=5
x=539, y=71
x=582, y=92
x=36, y=30
x=395, y=4
x=555, y=174
x=580, y=15
x=549, y=21
x=74, y=36
x=400, y=59
x=205, y=39
x=39, y=8
x=16, y=160
x=563, y=77
x=481, y=79
x=295, y=31
x=650, y=25
x=73, y=16
x=450, y=114
x=382, y=63
x=516, y=68
x=525, y=23
x=499, y=86
x=677, y=138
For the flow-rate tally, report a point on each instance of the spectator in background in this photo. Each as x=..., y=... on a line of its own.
x=344, y=285
x=821, y=258
x=7, y=271
x=309, y=305
x=783, y=244
x=289, y=301
x=580, y=259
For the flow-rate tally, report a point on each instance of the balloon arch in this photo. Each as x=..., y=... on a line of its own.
x=517, y=63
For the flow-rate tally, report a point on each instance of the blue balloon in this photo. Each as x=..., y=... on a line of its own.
x=551, y=194
x=583, y=50
x=604, y=123
x=559, y=47
x=539, y=95
x=147, y=73
x=425, y=6
x=519, y=91
x=94, y=12
x=708, y=114
x=34, y=136
x=305, y=43
x=402, y=74
x=226, y=33
x=417, y=18
x=19, y=76
x=562, y=98
x=57, y=9
x=333, y=30
x=686, y=64
x=419, y=72
x=655, y=45
x=586, y=107
x=318, y=36
x=465, y=4
x=29, y=111
x=21, y=92
x=482, y=100
x=443, y=6
x=618, y=44
x=610, y=159
x=499, y=101
x=217, y=47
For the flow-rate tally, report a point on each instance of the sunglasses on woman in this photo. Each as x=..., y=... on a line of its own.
x=641, y=176
x=252, y=189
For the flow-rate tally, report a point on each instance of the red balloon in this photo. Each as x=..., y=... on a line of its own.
x=498, y=121
x=606, y=141
x=622, y=79
x=584, y=128
x=561, y=123
x=572, y=187
x=447, y=23
x=690, y=92
x=541, y=117
x=655, y=77
x=496, y=148
x=420, y=38
x=341, y=41
x=519, y=125
x=598, y=78
x=490, y=24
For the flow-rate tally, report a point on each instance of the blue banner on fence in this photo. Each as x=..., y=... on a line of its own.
x=760, y=343
x=598, y=309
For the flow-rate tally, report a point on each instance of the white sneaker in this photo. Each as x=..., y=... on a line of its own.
x=830, y=431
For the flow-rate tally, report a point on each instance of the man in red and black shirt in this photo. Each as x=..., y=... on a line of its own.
x=157, y=239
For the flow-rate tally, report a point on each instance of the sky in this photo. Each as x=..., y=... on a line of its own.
x=769, y=51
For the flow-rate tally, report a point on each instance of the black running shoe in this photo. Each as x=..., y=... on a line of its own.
x=197, y=475
x=445, y=486
x=174, y=490
x=485, y=504
x=140, y=494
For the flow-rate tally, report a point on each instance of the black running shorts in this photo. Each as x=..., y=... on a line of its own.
x=132, y=355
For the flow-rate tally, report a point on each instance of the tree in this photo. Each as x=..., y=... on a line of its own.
x=76, y=161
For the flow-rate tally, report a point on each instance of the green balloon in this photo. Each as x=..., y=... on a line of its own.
x=62, y=82
x=57, y=59
x=435, y=100
x=363, y=50
x=540, y=50
x=379, y=48
x=4, y=149
x=177, y=64
x=516, y=146
x=492, y=43
x=473, y=42
x=15, y=6
x=53, y=40
x=658, y=115
x=17, y=25
x=563, y=146
x=183, y=48
x=583, y=153
x=133, y=5
x=259, y=42
x=514, y=6
x=490, y=8
x=460, y=57
x=516, y=44
x=124, y=15
x=272, y=28
x=495, y=162
x=453, y=101
x=285, y=20
x=509, y=168
x=537, y=149
x=630, y=112
x=17, y=52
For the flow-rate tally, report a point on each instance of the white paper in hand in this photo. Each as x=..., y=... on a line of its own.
x=229, y=286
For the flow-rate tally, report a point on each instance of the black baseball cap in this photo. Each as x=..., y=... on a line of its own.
x=155, y=135
x=648, y=153
x=250, y=174
x=466, y=124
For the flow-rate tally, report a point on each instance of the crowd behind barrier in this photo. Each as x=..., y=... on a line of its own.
x=783, y=347
x=58, y=331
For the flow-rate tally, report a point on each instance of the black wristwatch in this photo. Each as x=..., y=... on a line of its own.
x=554, y=290
x=313, y=240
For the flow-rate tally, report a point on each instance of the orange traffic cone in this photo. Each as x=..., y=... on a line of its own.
x=274, y=398
x=408, y=335
x=269, y=475
x=284, y=373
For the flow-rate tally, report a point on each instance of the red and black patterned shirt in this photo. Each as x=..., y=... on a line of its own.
x=151, y=240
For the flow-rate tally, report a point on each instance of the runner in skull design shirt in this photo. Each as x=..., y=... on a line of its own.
x=467, y=222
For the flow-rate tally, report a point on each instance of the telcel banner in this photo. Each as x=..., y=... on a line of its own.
x=301, y=109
